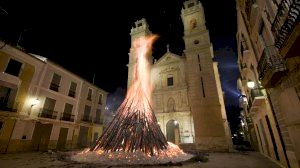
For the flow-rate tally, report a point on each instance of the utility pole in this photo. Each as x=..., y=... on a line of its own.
x=20, y=36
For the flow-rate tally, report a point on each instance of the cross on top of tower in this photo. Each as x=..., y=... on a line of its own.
x=168, y=48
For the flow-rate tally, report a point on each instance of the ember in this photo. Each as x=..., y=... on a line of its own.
x=171, y=154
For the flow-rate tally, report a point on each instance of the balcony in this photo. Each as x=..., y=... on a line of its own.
x=86, y=118
x=54, y=87
x=271, y=68
x=285, y=23
x=67, y=117
x=4, y=106
x=256, y=98
x=46, y=113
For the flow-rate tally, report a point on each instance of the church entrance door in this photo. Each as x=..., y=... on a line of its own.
x=173, y=134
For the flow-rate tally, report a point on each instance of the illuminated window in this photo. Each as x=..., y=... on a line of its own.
x=193, y=23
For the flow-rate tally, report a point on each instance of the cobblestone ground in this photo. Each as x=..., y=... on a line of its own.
x=215, y=160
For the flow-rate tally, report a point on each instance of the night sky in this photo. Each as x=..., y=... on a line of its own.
x=90, y=38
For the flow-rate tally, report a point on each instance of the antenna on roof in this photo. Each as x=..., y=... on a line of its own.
x=94, y=79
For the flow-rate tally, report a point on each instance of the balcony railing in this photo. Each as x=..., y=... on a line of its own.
x=54, y=87
x=86, y=118
x=285, y=21
x=256, y=93
x=271, y=68
x=71, y=93
x=46, y=113
x=8, y=108
x=67, y=117
x=255, y=99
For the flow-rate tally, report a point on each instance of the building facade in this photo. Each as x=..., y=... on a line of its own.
x=268, y=36
x=187, y=97
x=42, y=104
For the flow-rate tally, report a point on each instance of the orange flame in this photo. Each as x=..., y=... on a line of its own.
x=140, y=84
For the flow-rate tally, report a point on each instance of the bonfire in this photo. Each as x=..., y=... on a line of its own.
x=134, y=136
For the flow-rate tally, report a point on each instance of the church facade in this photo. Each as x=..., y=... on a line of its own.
x=187, y=96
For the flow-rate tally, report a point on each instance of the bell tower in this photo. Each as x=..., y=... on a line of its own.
x=204, y=88
x=140, y=29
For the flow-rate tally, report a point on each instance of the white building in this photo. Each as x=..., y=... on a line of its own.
x=50, y=102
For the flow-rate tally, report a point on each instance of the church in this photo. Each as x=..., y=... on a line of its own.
x=187, y=97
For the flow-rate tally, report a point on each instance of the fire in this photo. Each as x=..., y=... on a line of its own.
x=140, y=84
x=172, y=154
x=134, y=137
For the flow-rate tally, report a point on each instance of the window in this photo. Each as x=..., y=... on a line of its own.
x=7, y=99
x=48, y=109
x=98, y=116
x=68, y=108
x=1, y=125
x=272, y=137
x=190, y=5
x=67, y=115
x=72, y=91
x=100, y=99
x=170, y=81
x=13, y=67
x=89, y=97
x=55, y=82
x=203, y=92
x=261, y=27
x=193, y=23
x=199, y=62
x=86, y=113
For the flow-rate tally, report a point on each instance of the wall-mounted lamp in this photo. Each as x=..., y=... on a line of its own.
x=35, y=102
x=251, y=84
x=176, y=122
